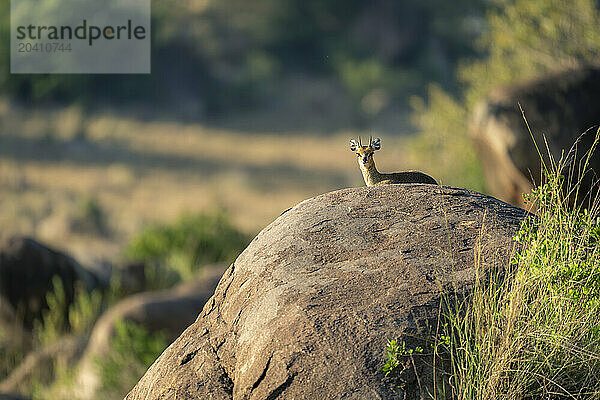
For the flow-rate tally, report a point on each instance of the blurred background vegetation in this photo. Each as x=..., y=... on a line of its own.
x=248, y=111
x=231, y=55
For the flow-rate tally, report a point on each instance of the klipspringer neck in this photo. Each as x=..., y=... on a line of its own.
x=370, y=174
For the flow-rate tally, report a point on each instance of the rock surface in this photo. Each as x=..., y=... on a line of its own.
x=27, y=268
x=561, y=106
x=306, y=310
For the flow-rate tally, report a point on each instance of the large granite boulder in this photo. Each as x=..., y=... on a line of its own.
x=306, y=310
x=561, y=107
x=27, y=269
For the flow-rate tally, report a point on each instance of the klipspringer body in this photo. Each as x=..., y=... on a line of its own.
x=374, y=177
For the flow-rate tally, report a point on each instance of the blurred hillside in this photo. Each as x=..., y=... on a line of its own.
x=352, y=61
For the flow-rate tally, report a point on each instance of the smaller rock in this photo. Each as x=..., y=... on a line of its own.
x=27, y=268
x=561, y=108
x=13, y=396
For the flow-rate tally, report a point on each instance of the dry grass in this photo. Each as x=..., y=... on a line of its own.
x=532, y=331
x=137, y=172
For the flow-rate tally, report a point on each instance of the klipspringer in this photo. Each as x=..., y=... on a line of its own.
x=374, y=177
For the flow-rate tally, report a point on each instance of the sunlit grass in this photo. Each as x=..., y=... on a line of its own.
x=142, y=172
x=532, y=331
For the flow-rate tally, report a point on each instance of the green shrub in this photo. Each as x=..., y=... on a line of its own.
x=176, y=251
x=85, y=310
x=236, y=51
x=532, y=331
x=12, y=350
x=528, y=38
x=81, y=315
x=61, y=388
x=443, y=144
x=57, y=380
x=54, y=322
x=371, y=84
x=394, y=353
x=133, y=350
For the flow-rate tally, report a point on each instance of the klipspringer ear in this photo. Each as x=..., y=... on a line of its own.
x=353, y=145
x=376, y=144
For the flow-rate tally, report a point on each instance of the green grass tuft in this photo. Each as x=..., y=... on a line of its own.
x=532, y=331
x=79, y=319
